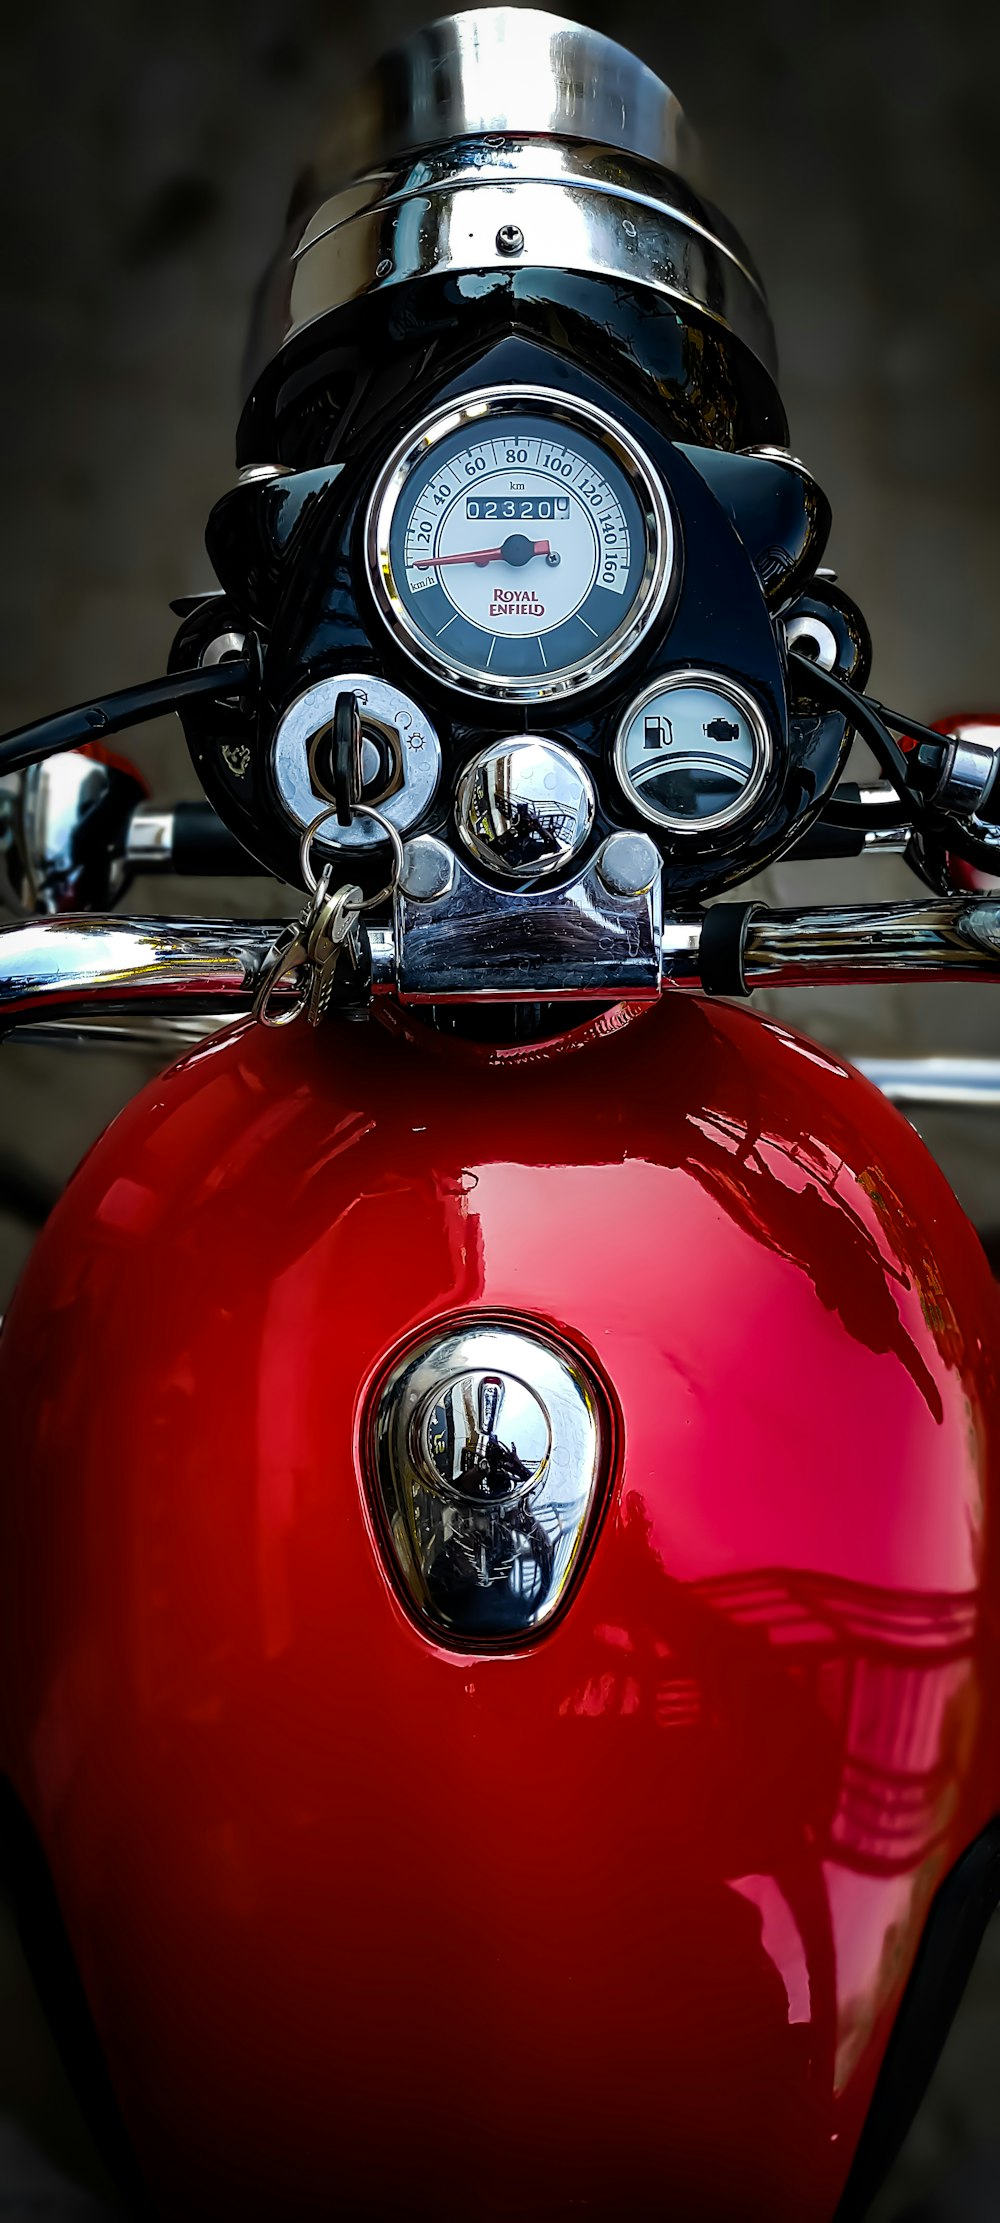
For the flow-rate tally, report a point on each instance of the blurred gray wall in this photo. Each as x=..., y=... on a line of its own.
x=150, y=151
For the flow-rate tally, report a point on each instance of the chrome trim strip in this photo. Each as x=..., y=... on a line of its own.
x=943, y=1083
x=571, y=166
x=565, y=227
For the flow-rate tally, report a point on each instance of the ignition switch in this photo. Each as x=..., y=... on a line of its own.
x=352, y=739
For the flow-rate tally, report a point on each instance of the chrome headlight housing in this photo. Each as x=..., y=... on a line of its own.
x=507, y=138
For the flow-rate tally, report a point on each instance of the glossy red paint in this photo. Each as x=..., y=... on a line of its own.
x=374, y=1927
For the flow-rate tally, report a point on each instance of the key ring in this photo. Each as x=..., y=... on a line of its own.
x=281, y=962
x=362, y=810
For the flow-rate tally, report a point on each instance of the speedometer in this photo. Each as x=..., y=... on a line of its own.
x=519, y=545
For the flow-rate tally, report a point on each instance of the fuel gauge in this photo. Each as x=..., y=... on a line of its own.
x=693, y=752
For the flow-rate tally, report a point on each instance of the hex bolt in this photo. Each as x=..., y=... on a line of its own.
x=628, y=864
x=428, y=869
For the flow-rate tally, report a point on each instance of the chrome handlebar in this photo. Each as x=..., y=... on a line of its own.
x=67, y=977
x=59, y=972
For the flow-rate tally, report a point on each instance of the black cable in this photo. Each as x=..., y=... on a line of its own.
x=834, y=694
x=872, y=723
x=910, y=725
x=132, y=706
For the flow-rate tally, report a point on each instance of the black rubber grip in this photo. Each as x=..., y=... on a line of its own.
x=720, y=950
x=202, y=844
x=988, y=807
x=824, y=840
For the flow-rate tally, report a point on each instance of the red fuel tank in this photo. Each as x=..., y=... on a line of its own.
x=372, y=1924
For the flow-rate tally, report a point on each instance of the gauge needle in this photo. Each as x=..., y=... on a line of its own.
x=517, y=549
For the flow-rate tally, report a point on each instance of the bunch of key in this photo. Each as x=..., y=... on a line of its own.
x=328, y=948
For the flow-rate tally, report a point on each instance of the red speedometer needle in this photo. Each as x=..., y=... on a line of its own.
x=518, y=549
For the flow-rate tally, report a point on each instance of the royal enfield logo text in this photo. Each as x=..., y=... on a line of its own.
x=515, y=602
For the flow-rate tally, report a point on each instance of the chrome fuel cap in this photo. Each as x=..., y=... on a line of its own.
x=487, y=1444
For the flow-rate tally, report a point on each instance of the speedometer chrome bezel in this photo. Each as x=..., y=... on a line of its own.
x=658, y=569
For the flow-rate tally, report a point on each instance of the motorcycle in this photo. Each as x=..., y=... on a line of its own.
x=498, y=1583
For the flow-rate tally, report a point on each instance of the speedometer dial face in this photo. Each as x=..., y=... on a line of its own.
x=519, y=545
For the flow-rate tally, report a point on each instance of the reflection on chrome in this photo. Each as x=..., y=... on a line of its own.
x=490, y=69
x=63, y=834
x=460, y=940
x=524, y=808
x=487, y=1447
x=86, y=968
x=458, y=1443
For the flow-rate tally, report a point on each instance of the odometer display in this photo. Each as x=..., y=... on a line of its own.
x=519, y=545
x=518, y=507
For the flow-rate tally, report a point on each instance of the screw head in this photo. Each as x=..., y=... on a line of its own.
x=510, y=239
